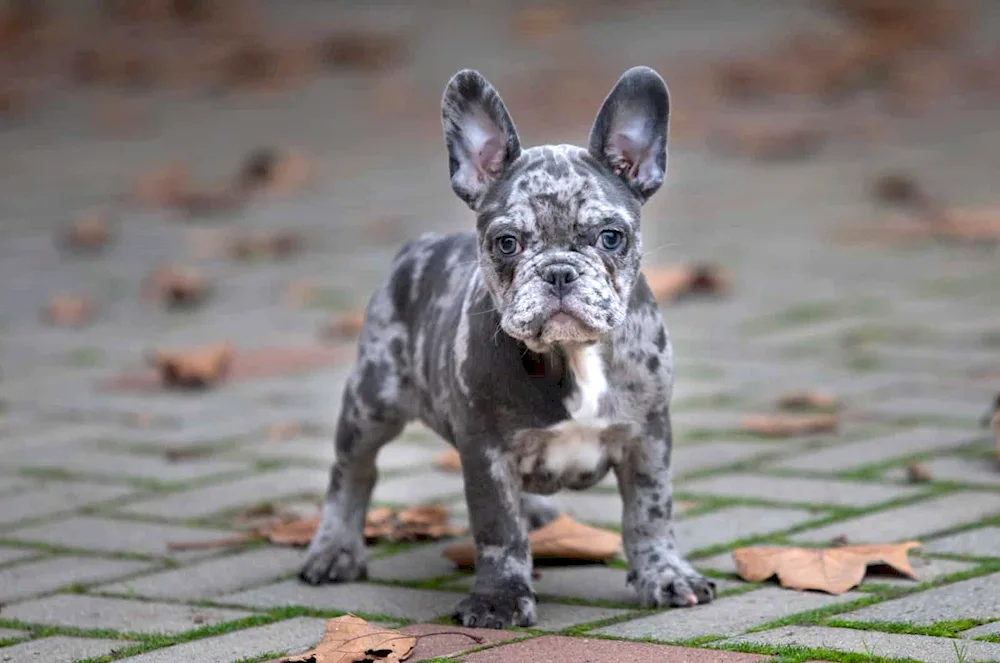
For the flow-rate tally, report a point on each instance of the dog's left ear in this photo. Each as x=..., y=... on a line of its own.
x=630, y=133
x=481, y=139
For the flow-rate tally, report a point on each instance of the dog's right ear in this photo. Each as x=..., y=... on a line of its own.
x=481, y=139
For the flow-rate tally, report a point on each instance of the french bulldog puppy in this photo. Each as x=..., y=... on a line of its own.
x=533, y=345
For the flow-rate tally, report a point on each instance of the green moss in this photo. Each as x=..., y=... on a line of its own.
x=85, y=357
x=944, y=629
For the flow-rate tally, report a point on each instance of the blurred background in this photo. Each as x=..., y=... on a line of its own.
x=182, y=179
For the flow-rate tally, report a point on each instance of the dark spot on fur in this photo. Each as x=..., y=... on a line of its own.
x=655, y=513
x=654, y=558
x=653, y=363
x=644, y=480
x=661, y=340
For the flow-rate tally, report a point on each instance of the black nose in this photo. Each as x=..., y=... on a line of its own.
x=560, y=276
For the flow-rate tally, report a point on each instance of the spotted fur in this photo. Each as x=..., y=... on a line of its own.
x=533, y=345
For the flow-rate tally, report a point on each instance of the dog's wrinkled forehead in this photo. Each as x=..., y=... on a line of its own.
x=555, y=189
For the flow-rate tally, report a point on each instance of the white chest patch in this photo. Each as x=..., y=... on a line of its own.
x=573, y=450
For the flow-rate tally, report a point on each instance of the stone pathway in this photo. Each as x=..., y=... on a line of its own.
x=96, y=483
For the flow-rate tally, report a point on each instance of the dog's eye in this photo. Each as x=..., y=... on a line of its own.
x=610, y=240
x=508, y=245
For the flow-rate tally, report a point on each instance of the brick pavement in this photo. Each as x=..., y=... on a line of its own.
x=907, y=336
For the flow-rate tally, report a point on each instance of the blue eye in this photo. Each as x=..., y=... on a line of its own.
x=611, y=240
x=507, y=245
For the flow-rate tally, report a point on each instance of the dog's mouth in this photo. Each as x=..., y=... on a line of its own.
x=564, y=327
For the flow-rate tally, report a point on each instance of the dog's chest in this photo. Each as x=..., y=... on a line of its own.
x=577, y=452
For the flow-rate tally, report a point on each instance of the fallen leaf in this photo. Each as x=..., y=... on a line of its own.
x=89, y=232
x=284, y=431
x=273, y=244
x=770, y=141
x=361, y=50
x=248, y=364
x=831, y=570
x=808, y=400
x=787, y=425
x=300, y=293
x=163, y=187
x=418, y=523
x=275, y=172
x=918, y=473
x=69, y=311
x=293, y=532
x=563, y=538
x=350, y=639
x=449, y=460
x=534, y=23
x=195, y=367
x=176, y=286
x=673, y=283
x=344, y=326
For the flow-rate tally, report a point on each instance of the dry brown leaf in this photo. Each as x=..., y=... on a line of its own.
x=831, y=570
x=361, y=50
x=787, y=425
x=90, y=232
x=284, y=431
x=808, y=400
x=534, y=23
x=276, y=172
x=293, y=532
x=350, y=639
x=163, y=187
x=69, y=311
x=416, y=523
x=771, y=141
x=449, y=460
x=176, y=286
x=273, y=245
x=673, y=283
x=918, y=473
x=563, y=538
x=344, y=326
x=195, y=367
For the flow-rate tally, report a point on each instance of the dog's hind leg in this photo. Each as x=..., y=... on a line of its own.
x=538, y=510
x=374, y=411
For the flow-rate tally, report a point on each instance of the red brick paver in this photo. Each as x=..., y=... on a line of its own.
x=564, y=649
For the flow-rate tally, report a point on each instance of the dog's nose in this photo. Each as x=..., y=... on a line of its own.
x=560, y=276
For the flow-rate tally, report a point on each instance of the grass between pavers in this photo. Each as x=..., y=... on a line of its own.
x=50, y=549
x=793, y=654
x=807, y=313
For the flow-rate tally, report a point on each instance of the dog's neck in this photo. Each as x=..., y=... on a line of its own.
x=580, y=365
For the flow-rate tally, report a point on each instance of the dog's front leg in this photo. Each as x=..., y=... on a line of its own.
x=656, y=568
x=501, y=594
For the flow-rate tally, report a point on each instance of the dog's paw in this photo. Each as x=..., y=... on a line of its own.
x=500, y=610
x=669, y=585
x=334, y=563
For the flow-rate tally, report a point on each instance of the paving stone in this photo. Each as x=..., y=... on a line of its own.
x=56, y=497
x=60, y=649
x=705, y=420
x=448, y=642
x=118, y=536
x=392, y=457
x=911, y=521
x=287, y=637
x=212, y=577
x=806, y=491
x=418, y=488
x=12, y=634
x=993, y=628
x=961, y=470
x=981, y=542
x=422, y=563
x=976, y=598
x=852, y=455
x=122, y=464
x=98, y=612
x=874, y=643
x=591, y=507
x=223, y=496
x=46, y=575
x=593, y=583
x=564, y=649
x=9, y=554
x=725, y=616
x=737, y=522
x=11, y=484
x=921, y=406
x=415, y=604
x=687, y=458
